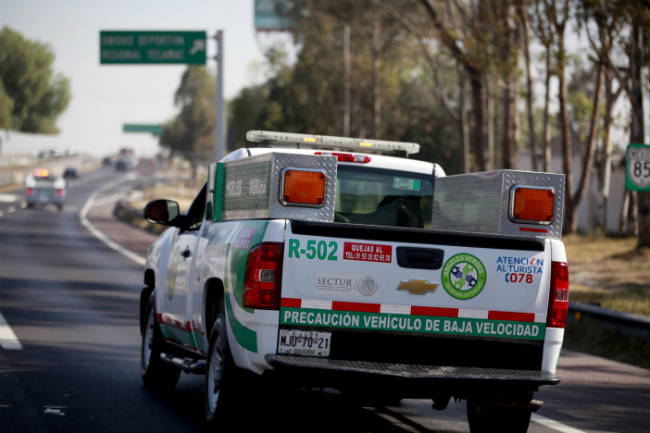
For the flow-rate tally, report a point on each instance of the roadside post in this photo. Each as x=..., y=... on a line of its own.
x=218, y=121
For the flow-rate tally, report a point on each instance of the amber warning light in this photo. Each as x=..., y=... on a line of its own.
x=532, y=205
x=302, y=187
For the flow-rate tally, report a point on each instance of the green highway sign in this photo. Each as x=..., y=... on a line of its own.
x=270, y=15
x=137, y=47
x=151, y=128
x=637, y=167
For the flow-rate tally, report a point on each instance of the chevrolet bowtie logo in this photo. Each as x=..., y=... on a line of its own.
x=417, y=287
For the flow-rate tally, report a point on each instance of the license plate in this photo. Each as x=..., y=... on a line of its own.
x=311, y=343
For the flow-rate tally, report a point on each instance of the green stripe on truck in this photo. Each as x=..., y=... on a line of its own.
x=246, y=337
x=412, y=323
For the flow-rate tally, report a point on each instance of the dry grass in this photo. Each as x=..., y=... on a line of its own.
x=176, y=191
x=610, y=272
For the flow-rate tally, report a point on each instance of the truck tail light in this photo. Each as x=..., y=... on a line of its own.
x=263, y=276
x=347, y=157
x=558, y=302
x=29, y=191
x=303, y=187
x=532, y=204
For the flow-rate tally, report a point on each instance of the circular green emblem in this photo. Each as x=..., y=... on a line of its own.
x=463, y=276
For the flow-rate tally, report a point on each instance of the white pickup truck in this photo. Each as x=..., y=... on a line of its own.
x=341, y=263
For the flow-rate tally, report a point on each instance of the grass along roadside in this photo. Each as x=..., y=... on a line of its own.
x=613, y=274
x=610, y=272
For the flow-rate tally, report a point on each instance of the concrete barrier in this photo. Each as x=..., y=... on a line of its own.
x=6, y=177
x=128, y=214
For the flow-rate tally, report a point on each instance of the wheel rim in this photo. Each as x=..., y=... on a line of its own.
x=147, y=341
x=215, y=372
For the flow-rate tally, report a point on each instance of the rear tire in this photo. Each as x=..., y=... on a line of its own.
x=224, y=381
x=493, y=417
x=155, y=373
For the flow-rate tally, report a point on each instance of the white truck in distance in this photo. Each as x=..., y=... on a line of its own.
x=341, y=263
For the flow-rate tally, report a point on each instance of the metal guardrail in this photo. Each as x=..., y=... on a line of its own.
x=629, y=324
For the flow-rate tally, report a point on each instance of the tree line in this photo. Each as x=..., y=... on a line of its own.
x=460, y=78
x=32, y=95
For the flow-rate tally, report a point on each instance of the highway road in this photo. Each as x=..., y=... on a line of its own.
x=71, y=303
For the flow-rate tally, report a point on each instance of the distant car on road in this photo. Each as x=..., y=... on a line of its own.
x=125, y=163
x=107, y=161
x=70, y=173
x=121, y=165
x=41, y=188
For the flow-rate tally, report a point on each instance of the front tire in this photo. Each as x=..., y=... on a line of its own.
x=494, y=417
x=155, y=373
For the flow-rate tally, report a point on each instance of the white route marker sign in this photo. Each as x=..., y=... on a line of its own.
x=637, y=164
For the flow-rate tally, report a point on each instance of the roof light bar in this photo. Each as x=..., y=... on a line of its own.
x=343, y=143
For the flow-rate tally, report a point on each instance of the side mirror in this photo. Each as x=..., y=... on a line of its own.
x=162, y=211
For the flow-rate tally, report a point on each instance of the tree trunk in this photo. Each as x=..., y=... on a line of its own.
x=529, y=93
x=346, y=79
x=547, y=127
x=510, y=123
x=462, y=116
x=376, y=85
x=567, y=147
x=588, y=157
x=489, y=127
x=478, y=114
x=636, y=128
x=606, y=153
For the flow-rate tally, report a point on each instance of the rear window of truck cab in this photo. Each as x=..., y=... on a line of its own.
x=383, y=197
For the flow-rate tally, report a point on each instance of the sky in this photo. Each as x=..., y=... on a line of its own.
x=106, y=96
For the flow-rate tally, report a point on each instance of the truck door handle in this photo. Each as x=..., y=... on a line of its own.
x=419, y=258
x=186, y=253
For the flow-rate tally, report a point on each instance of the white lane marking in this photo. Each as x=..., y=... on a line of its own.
x=554, y=425
x=8, y=339
x=101, y=236
x=54, y=410
x=8, y=198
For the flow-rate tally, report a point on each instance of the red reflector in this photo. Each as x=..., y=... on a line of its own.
x=59, y=192
x=558, y=303
x=347, y=157
x=291, y=302
x=510, y=316
x=263, y=276
x=529, y=229
x=533, y=204
x=29, y=191
x=304, y=187
x=356, y=306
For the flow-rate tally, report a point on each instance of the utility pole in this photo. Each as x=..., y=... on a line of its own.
x=219, y=146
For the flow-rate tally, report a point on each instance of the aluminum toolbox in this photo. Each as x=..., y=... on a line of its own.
x=480, y=202
x=250, y=188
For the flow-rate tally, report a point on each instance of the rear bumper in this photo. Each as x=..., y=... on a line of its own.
x=409, y=379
